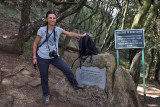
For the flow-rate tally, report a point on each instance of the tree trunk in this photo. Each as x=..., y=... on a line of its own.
x=112, y=41
x=157, y=68
x=156, y=77
x=152, y=14
x=71, y=11
x=124, y=15
x=101, y=30
x=31, y=28
x=138, y=20
x=132, y=53
x=66, y=6
x=1, y=1
x=67, y=39
x=150, y=63
x=44, y=3
x=25, y=21
x=104, y=42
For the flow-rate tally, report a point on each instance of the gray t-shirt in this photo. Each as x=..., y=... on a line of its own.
x=43, y=51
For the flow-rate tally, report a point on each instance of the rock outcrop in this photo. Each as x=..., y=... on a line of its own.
x=120, y=90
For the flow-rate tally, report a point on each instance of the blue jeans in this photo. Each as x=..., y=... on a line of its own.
x=43, y=65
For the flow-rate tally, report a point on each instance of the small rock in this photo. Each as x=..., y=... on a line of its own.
x=7, y=72
x=5, y=69
x=18, y=69
x=6, y=101
x=5, y=36
x=9, y=75
x=26, y=72
x=25, y=78
x=71, y=44
x=16, y=35
x=21, y=80
x=6, y=81
x=19, y=84
x=35, y=83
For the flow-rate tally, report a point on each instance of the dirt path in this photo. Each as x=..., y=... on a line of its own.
x=152, y=93
x=28, y=96
x=24, y=85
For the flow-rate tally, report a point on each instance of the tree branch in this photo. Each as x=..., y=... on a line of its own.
x=104, y=42
x=140, y=2
x=118, y=4
x=124, y=14
x=60, y=3
x=71, y=10
x=90, y=16
x=34, y=25
x=152, y=14
x=141, y=14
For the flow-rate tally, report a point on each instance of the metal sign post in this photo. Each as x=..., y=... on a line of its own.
x=129, y=39
x=143, y=66
x=117, y=53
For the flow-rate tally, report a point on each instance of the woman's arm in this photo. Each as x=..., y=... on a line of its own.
x=35, y=44
x=72, y=34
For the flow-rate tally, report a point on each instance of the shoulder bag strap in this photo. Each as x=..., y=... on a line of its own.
x=46, y=37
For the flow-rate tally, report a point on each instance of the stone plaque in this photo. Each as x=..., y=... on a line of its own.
x=91, y=76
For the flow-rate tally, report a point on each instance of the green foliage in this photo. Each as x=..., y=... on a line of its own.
x=9, y=10
x=125, y=64
x=10, y=13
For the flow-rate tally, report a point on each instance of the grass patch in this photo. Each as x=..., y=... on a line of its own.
x=9, y=12
x=125, y=64
x=26, y=46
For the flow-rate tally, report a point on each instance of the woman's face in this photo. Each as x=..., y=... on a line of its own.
x=51, y=19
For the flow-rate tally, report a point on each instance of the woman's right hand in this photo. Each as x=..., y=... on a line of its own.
x=35, y=62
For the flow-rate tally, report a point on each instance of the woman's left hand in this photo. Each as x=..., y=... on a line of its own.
x=85, y=34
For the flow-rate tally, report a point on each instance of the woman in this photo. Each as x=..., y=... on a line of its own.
x=47, y=53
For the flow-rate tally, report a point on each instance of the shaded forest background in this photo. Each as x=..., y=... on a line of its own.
x=98, y=17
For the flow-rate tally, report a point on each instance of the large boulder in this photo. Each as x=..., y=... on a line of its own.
x=120, y=90
x=124, y=90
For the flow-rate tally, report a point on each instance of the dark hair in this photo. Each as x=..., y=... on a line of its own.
x=50, y=12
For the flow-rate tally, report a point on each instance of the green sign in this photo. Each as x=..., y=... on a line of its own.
x=129, y=39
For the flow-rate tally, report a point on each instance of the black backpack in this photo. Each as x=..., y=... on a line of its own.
x=86, y=48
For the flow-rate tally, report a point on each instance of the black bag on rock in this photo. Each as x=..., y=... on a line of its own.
x=86, y=48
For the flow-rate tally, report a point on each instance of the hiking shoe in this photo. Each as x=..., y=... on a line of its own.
x=46, y=99
x=79, y=86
